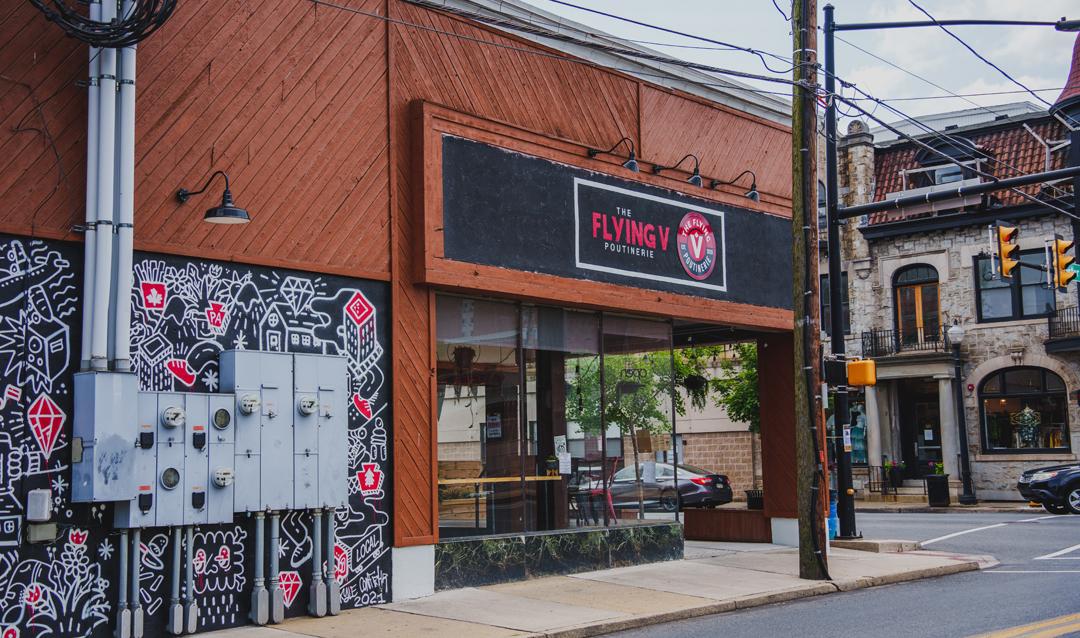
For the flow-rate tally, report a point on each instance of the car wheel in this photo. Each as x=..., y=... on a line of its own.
x=668, y=501
x=1072, y=499
x=1055, y=508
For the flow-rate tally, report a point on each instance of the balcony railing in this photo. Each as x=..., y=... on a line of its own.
x=1065, y=322
x=883, y=343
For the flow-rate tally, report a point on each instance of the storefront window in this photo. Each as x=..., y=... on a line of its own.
x=523, y=442
x=638, y=393
x=479, y=382
x=1024, y=410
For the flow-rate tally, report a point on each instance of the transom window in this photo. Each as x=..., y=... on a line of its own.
x=1022, y=296
x=1024, y=410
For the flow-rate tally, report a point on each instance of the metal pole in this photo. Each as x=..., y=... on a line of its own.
x=123, y=614
x=176, y=610
x=136, y=577
x=333, y=587
x=317, y=598
x=90, y=234
x=191, y=606
x=604, y=495
x=260, y=599
x=277, y=597
x=967, y=497
x=845, y=505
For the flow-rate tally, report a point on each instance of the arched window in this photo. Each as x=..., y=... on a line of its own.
x=1024, y=410
x=939, y=170
x=917, y=319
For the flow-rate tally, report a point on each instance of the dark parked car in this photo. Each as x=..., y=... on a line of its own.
x=1057, y=488
x=697, y=488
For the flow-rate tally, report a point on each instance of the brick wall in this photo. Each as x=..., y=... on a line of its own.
x=725, y=453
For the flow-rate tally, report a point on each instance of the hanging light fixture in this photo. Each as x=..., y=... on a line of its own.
x=630, y=163
x=752, y=194
x=694, y=179
x=227, y=213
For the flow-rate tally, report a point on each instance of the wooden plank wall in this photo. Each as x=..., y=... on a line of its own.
x=776, y=391
x=289, y=99
x=307, y=109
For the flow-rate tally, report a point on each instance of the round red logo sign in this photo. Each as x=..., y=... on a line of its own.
x=697, y=246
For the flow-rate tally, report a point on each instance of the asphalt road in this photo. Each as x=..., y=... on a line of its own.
x=1036, y=581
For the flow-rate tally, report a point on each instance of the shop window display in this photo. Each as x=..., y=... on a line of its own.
x=1024, y=410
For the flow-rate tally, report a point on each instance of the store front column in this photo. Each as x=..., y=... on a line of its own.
x=873, y=428
x=949, y=441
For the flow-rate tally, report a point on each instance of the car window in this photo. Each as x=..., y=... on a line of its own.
x=625, y=474
x=683, y=467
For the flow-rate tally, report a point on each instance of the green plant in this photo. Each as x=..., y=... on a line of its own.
x=894, y=465
x=736, y=386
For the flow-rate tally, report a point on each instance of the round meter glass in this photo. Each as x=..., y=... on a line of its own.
x=222, y=418
x=170, y=478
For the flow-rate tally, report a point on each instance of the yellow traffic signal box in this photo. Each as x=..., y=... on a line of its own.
x=1007, y=239
x=1062, y=274
x=861, y=372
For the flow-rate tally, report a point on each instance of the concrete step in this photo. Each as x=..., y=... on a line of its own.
x=876, y=497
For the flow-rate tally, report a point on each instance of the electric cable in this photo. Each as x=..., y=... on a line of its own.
x=144, y=18
x=980, y=56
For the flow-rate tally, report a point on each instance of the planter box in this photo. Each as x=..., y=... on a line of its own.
x=744, y=526
x=937, y=490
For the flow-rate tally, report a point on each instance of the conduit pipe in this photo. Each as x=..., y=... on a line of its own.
x=259, y=598
x=191, y=607
x=317, y=599
x=90, y=225
x=277, y=597
x=123, y=614
x=176, y=611
x=136, y=574
x=125, y=211
x=99, y=346
x=333, y=587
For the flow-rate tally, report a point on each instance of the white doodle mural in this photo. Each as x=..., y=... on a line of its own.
x=184, y=314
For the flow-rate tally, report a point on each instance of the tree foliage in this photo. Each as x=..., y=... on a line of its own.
x=736, y=387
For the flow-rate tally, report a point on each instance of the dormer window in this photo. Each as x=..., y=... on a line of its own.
x=940, y=165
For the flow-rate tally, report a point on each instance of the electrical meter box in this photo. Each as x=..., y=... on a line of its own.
x=263, y=385
x=180, y=436
x=321, y=431
x=105, y=422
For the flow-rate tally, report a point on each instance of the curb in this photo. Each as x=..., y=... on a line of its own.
x=757, y=600
x=945, y=510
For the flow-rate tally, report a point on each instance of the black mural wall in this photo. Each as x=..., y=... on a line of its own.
x=184, y=313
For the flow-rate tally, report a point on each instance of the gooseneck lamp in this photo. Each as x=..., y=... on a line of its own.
x=227, y=212
x=752, y=194
x=694, y=179
x=630, y=163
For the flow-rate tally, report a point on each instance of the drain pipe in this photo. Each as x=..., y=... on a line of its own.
x=260, y=600
x=123, y=614
x=125, y=213
x=333, y=587
x=176, y=618
x=106, y=162
x=90, y=232
x=136, y=589
x=191, y=606
x=317, y=599
x=277, y=597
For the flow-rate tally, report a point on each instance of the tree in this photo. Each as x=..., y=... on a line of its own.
x=737, y=386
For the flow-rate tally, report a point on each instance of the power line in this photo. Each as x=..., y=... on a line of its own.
x=979, y=55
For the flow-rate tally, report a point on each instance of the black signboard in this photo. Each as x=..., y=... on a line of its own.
x=512, y=210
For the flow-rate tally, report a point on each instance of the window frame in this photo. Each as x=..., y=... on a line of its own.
x=999, y=374
x=916, y=285
x=823, y=303
x=1016, y=291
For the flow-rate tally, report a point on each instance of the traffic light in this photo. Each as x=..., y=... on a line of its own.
x=1062, y=274
x=1007, y=247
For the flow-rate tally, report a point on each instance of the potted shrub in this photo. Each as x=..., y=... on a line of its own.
x=894, y=473
x=937, y=486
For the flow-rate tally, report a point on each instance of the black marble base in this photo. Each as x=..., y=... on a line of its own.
x=474, y=562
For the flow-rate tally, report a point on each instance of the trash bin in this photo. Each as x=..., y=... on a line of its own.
x=755, y=499
x=937, y=490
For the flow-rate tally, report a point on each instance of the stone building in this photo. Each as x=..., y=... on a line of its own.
x=912, y=273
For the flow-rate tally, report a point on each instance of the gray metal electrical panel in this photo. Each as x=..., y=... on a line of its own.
x=276, y=438
x=105, y=422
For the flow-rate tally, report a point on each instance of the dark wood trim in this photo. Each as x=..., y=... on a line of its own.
x=431, y=122
x=924, y=225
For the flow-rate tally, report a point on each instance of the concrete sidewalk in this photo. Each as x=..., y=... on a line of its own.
x=713, y=578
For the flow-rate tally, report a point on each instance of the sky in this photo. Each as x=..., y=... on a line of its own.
x=1038, y=57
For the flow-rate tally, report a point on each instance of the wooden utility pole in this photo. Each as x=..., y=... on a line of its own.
x=812, y=486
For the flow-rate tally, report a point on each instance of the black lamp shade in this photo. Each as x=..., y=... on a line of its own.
x=227, y=213
x=631, y=163
x=753, y=193
x=695, y=179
